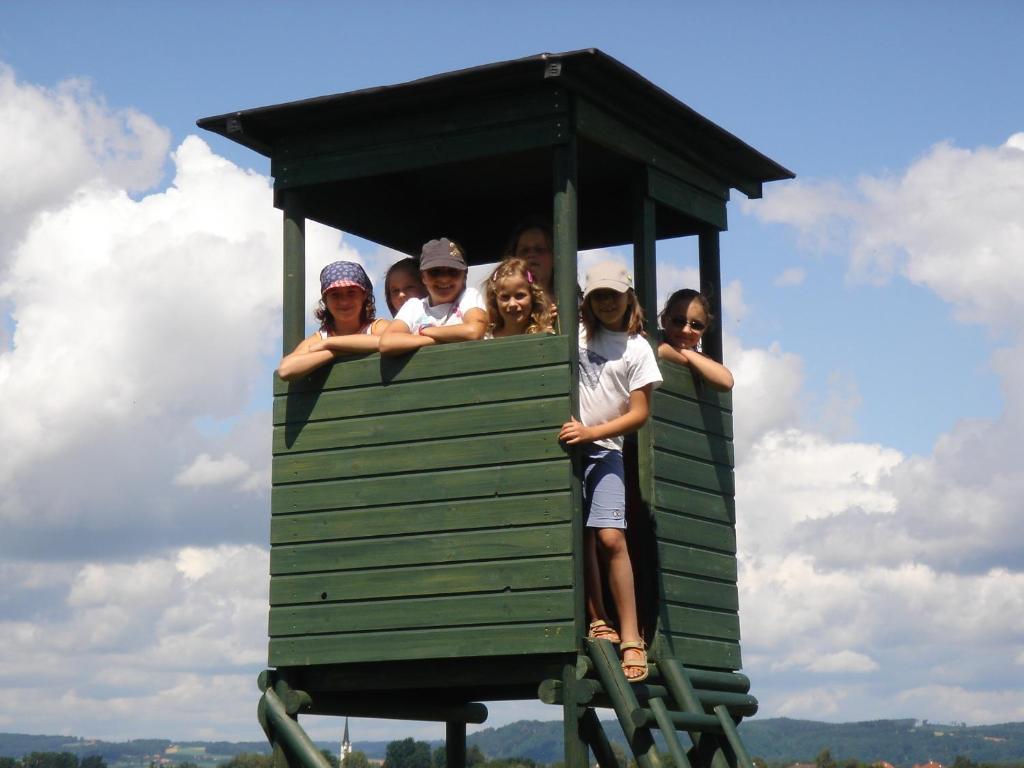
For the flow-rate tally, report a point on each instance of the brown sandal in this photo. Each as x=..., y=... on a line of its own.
x=641, y=664
x=602, y=630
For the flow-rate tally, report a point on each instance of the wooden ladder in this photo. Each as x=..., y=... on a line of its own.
x=704, y=705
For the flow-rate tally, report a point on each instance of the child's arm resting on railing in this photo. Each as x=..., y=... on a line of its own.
x=713, y=372
x=574, y=432
x=314, y=352
x=399, y=339
x=472, y=328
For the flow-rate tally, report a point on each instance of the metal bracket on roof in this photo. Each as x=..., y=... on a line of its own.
x=553, y=69
x=233, y=125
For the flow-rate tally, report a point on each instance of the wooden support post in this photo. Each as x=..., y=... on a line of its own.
x=668, y=730
x=631, y=717
x=286, y=731
x=645, y=277
x=279, y=758
x=564, y=234
x=642, y=546
x=455, y=744
x=594, y=734
x=575, y=747
x=678, y=683
x=733, y=737
x=711, y=286
x=293, y=326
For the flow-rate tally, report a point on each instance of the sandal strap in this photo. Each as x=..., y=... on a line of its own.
x=599, y=628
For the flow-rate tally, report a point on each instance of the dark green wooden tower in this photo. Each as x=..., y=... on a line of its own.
x=426, y=531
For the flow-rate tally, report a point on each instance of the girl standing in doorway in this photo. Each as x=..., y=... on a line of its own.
x=618, y=373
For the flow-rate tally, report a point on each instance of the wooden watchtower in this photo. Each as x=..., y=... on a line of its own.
x=426, y=532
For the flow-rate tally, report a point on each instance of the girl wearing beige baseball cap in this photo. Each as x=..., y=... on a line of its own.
x=618, y=373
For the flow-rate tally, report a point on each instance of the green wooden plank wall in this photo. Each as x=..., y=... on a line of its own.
x=695, y=520
x=421, y=507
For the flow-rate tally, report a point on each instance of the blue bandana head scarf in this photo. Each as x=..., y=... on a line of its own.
x=341, y=273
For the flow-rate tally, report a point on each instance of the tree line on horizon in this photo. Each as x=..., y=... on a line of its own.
x=409, y=753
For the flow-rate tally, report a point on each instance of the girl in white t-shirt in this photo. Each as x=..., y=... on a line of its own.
x=618, y=373
x=451, y=311
x=516, y=303
x=348, y=321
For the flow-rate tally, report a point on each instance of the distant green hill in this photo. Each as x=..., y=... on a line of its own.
x=778, y=740
x=900, y=742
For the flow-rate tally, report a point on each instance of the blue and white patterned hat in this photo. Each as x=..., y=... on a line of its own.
x=338, y=274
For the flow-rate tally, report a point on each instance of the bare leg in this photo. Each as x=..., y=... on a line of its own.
x=592, y=577
x=615, y=554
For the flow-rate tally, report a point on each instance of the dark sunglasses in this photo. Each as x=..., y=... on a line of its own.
x=436, y=272
x=682, y=322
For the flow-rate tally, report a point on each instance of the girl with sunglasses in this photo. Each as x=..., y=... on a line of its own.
x=684, y=319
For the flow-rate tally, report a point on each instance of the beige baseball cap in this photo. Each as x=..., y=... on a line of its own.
x=607, y=274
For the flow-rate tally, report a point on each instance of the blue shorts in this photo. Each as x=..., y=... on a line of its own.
x=604, y=488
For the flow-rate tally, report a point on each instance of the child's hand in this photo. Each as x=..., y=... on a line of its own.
x=574, y=433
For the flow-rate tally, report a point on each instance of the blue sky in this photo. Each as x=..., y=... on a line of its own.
x=877, y=380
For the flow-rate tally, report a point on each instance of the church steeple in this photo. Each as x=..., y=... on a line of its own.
x=346, y=746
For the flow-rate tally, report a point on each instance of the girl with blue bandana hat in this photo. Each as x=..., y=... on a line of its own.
x=348, y=322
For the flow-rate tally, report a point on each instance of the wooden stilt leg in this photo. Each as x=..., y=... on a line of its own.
x=575, y=748
x=455, y=744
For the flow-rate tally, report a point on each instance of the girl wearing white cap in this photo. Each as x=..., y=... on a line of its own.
x=618, y=373
x=348, y=321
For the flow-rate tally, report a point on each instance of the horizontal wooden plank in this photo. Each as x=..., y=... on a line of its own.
x=446, y=579
x=679, y=381
x=441, y=611
x=695, y=591
x=422, y=152
x=423, y=487
x=453, y=360
x=694, y=502
x=692, y=443
x=696, y=622
x=716, y=478
x=375, y=130
x=507, y=543
x=486, y=419
x=399, y=458
x=414, y=396
x=595, y=123
x=464, y=642
x=701, y=652
x=678, y=529
x=686, y=198
x=678, y=558
x=531, y=509
x=683, y=412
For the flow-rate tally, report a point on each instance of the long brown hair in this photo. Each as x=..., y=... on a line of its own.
x=634, y=319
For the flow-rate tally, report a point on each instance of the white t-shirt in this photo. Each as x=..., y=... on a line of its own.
x=612, y=365
x=417, y=313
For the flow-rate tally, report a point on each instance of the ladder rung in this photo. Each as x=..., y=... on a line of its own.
x=738, y=703
x=687, y=721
